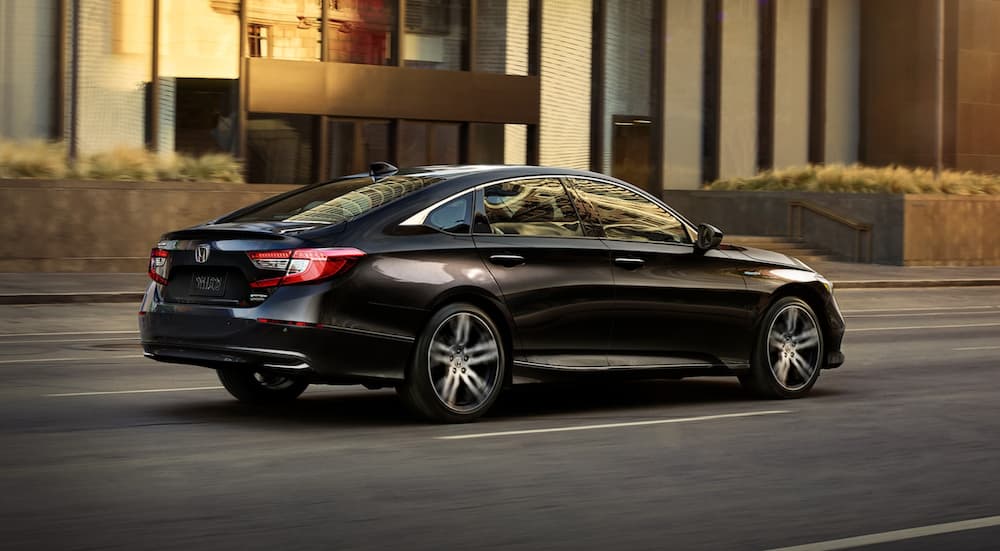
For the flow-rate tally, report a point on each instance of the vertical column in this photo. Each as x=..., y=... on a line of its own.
x=565, y=74
x=738, y=93
x=682, y=94
x=842, y=85
x=791, y=78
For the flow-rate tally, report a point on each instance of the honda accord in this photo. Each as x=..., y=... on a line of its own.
x=452, y=283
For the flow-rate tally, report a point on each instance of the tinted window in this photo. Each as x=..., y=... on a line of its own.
x=538, y=207
x=627, y=215
x=336, y=201
x=453, y=216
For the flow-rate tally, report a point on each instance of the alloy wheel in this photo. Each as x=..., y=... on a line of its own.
x=463, y=362
x=794, y=347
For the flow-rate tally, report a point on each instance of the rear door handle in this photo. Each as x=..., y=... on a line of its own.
x=508, y=260
x=629, y=263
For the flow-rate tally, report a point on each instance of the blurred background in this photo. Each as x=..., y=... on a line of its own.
x=662, y=94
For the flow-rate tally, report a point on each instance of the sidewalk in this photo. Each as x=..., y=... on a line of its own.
x=54, y=288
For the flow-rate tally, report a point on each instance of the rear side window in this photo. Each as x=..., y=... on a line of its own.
x=628, y=216
x=537, y=207
x=337, y=201
x=453, y=216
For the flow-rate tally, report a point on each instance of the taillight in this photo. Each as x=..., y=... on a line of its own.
x=158, y=265
x=302, y=265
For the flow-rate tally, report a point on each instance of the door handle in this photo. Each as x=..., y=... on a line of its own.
x=630, y=263
x=508, y=260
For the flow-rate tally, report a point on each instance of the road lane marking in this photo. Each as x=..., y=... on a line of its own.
x=96, y=359
x=909, y=327
x=896, y=535
x=920, y=309
x=48, y=341
x=145, y=391
x=65, y=333
x=612, y=425
x=978, y=348
x=922, y=314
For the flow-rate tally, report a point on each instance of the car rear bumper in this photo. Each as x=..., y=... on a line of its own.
x=216, y=337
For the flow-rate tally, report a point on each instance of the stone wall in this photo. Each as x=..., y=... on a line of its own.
x=56, y=226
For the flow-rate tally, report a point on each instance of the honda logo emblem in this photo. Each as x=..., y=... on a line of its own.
x=201, y=254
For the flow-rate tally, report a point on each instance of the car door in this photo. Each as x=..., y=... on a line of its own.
x=675, y=306
x=556, y=281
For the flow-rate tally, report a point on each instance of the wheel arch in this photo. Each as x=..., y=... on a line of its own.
x=811, y=296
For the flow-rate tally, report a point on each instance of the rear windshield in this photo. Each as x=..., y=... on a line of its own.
x=337, y=201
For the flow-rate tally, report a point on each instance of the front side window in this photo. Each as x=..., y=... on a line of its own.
x=628, y=216
x=536, y=207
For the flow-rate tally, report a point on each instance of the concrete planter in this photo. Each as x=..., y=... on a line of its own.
x=910, y=230
x=97, y=226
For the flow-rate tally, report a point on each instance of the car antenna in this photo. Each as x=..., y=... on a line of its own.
x=381, y=169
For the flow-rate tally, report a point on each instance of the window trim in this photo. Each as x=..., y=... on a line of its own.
x=419, y=217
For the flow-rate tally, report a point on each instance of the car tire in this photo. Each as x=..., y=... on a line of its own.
x=458, y=367
x=788, y=355
x=256, y=387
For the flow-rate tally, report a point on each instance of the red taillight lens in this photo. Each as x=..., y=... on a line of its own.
x=303, y=265
x=158, y=265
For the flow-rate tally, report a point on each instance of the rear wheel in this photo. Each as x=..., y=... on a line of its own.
x=257, y=387
x=458, y=367
x=789, y=351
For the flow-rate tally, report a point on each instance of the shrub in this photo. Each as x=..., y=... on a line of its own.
x=32, y=159
x=38, y=159
x=864, y=179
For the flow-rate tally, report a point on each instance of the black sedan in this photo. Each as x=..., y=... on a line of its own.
x=451, y=283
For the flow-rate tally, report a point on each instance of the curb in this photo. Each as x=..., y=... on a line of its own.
x=70, y=298
x=913, y=283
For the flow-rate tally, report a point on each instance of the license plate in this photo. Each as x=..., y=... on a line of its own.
x=208, y=284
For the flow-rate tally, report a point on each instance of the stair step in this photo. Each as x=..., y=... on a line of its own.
x=791, y=247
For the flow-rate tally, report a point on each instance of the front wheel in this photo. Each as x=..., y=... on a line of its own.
x=458, y=366
x=256, y=387
x=789, y=351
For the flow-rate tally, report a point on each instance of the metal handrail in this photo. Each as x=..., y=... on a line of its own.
x=861, y=229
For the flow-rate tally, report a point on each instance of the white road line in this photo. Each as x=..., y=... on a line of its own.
x=978, y=348
x=65, y=333
x=896, y=535
x=47, y=341
x=909, y=327
x=612, y=425
x=95, y=359
x=922, y=314
x=923, y=308
x=187, y=389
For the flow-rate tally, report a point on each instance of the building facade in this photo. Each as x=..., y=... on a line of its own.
x=663, y=93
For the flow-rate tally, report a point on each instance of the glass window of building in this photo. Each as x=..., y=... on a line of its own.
x=428, y=143
x=281, y=149
x=355, y=144
x=628, y=128
x=436, y=34
x=502, y=36
x=361, y=31
x=199, y=68
x=292, y=28
x=498, y=144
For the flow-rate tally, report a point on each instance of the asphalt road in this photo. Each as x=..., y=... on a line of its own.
x=905, y=435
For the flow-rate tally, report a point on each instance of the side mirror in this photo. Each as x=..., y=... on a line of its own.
x=709, y=238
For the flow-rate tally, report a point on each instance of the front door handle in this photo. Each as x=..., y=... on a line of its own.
x=629, y=263
x=508, y=260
